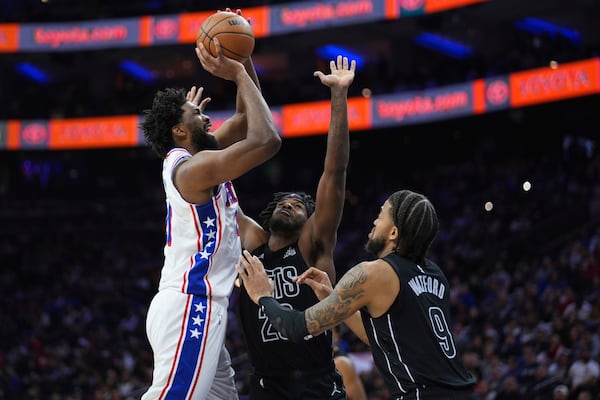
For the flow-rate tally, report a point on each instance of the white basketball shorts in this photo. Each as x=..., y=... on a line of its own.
x=187, y=335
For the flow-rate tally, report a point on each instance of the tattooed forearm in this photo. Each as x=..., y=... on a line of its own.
x=341, y=304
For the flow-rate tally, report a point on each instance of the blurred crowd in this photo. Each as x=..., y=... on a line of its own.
x=517, y=195
x=82, y=234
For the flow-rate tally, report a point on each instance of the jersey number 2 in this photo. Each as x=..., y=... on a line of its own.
x=268, y=333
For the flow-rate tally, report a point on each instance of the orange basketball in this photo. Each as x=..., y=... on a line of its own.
x=233, y=31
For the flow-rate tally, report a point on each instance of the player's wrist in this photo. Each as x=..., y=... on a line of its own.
x=240, y=75
x=339, y=91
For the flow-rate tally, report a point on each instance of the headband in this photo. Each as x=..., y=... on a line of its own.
x=309, y=207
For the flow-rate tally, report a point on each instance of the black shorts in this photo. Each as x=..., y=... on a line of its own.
x=317, y=384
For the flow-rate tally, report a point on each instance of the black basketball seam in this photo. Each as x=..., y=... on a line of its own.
x=206, y=32
x=231, y=51
x=208, y=29
x=235, y=33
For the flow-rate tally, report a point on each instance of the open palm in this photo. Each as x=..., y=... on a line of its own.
x=342, y=73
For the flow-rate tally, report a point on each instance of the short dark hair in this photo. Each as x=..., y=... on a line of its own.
x=417, y=224
x=266, y=214
x=165, y=113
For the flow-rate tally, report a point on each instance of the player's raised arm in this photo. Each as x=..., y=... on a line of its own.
x=322, y=227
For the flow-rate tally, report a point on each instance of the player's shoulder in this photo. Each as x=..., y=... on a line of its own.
x=178, y=152
x=378, y=270
x=175, y=158
x=375, y=264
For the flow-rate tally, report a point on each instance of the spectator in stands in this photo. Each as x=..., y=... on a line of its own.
x=510, y=390
x=560, y=392
x=584, y=372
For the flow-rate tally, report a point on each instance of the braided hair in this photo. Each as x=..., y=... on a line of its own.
x=166, y=112
x=266, y=214
x=417, y=224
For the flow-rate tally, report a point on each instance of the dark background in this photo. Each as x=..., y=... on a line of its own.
x=81, y=232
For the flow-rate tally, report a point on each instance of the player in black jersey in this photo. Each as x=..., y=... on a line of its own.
x=295, y=233
x=399, y=304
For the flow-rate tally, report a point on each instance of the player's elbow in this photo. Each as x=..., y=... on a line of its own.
x=271, y=142
x=275, y=141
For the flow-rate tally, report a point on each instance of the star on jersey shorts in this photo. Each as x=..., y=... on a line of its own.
x=187, y=335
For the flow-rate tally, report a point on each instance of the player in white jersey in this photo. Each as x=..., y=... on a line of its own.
x=186, y=321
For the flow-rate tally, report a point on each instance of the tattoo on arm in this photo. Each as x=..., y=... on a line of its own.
x=341, y=304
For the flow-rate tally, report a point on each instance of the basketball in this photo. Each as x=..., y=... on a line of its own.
x=233, y=31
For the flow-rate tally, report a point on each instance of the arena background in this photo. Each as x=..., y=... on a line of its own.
x=81, y=229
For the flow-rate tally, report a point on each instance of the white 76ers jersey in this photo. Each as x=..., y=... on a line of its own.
x=202, y=240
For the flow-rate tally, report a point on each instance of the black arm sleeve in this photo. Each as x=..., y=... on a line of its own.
x=290, y=323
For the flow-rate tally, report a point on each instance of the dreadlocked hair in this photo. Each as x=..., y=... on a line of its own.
x=166, y=112
x=417, y=224
x=265, y=215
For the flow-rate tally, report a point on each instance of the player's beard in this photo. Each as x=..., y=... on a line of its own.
x=203, y=140
x=285, y=225
x=375, y=245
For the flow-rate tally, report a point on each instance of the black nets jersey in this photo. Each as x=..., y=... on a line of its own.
x=412, y=343
x=270, y=352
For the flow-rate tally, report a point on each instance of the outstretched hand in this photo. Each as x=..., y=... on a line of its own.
x=194, y=96
x=253, y=276
x=318, y=281
x=342, y=73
